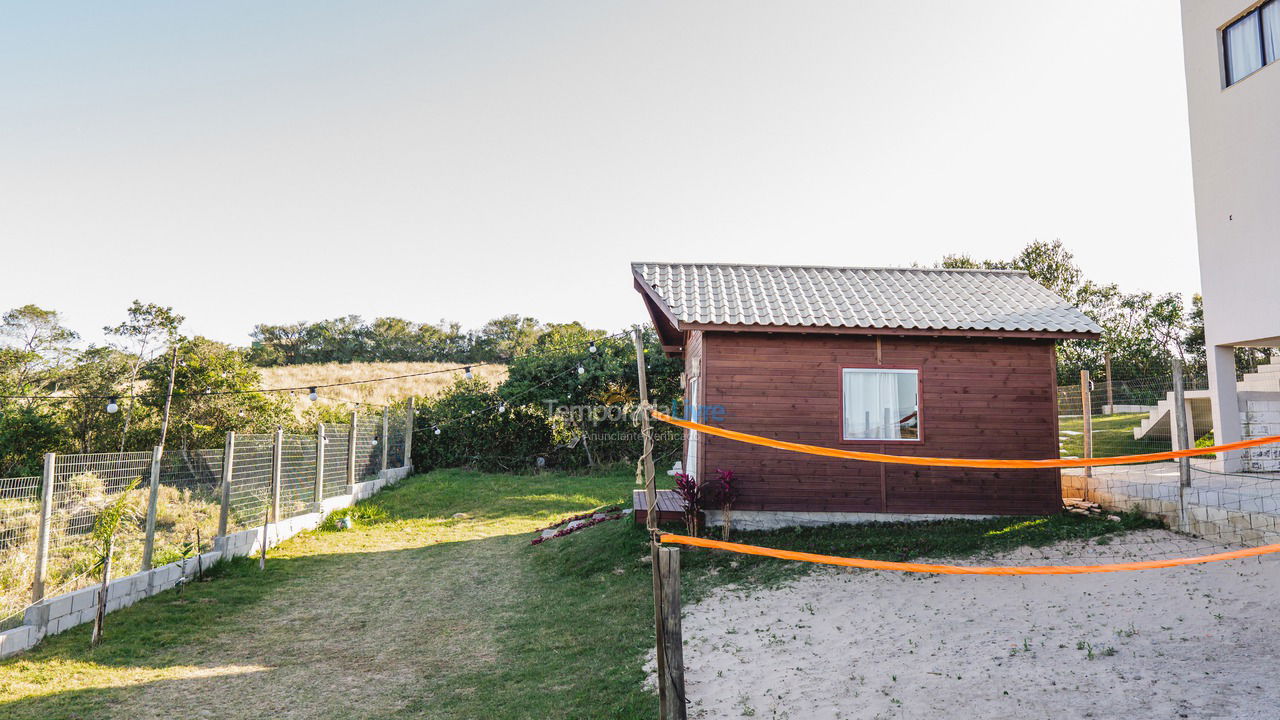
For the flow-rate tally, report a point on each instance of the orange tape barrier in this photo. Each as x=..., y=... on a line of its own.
x=963, y=569
x=960, y=462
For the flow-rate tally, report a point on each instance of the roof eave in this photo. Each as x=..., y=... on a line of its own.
x=952, y=332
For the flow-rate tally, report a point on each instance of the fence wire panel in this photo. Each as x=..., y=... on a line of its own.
x=395, y=438
x=335, y=459
x=250, y=481
x=188, y=503
x=297, y=475
x=19, y=531
x=368, y=447
x=82, y=486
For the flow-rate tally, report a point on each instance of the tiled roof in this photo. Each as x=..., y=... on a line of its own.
x=908, y=298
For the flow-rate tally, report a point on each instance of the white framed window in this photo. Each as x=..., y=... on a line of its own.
x=1251, y=41
x=880, y=404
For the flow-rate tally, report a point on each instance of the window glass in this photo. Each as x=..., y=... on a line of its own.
x=881, y=404
x=1242, y=45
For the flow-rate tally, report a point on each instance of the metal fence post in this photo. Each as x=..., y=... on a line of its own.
x=319, y=489
x=277, y=454
x=228, y=469
x=410, y=412
x=1086, y=413
x=153, y=502
x=46, y=510
x=352, y=433
x=384, y=441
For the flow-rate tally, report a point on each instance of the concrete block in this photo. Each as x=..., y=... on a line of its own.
x=86, y=598
x=58, y=607
x=16, y=640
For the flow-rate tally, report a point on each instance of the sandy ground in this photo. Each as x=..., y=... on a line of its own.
x=1192, y=642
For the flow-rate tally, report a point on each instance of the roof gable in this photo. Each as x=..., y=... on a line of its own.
x=917, y=299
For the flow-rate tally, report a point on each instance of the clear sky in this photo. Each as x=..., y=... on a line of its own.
x=253, y=162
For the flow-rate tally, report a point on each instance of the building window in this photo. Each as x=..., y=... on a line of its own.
x=1251, y=42
x=881, y=404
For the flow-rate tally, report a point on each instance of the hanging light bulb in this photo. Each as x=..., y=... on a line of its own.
x=112, y=406
x=375, y=442
x=467, y=374
x=314, y=395
x=581, y=369
x=502, y=407
x=437, y=431
x=592, y=348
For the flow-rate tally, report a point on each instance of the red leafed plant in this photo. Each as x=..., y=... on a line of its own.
x=688, y=489
x=725, y=491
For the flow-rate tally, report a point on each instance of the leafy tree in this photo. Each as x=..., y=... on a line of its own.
x=36, y=346
x=212, y=394
x=504, y=338
x=97, y=371
x=148, y=330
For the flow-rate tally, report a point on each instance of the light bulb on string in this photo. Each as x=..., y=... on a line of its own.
x=112, y=406
x=502, y=407
x=592, y=348
x=437, y=431
x=581, y=370
x=467, y=374
x=314, y=395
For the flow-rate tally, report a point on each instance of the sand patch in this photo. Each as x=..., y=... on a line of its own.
x=1193, y=642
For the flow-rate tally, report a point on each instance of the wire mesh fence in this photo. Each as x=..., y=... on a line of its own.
x=189, y=501
x=336, y=451
x=368, y=446
x=19, y=530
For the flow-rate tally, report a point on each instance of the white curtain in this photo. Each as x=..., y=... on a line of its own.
x=1244, y=50
x=872, y=407
x=1270, y=30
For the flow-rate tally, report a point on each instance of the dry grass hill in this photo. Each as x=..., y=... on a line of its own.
x=379, y=392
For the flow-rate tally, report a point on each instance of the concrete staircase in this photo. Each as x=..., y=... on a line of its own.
x=1259, y=398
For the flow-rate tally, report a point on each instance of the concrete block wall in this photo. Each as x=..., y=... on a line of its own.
x=1205, y=515
x=1261, y=418
x=60, y=613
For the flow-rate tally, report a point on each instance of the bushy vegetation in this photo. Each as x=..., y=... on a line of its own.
x=560, y=406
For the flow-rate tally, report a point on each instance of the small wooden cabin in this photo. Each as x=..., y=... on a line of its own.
x=918, y=361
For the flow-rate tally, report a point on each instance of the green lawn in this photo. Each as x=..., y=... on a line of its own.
x=1112, y=436
x=418, y=614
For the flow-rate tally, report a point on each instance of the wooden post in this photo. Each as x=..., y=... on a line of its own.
x=101, y=615
x=651, y=522
x=673, y=678
x=1111, y=398
x=277, y=457
x=1086, y=412
x=228, y=469
x=46, y=511
x=385, y=437
x=410, y=414
x=153, y=501
x=318, y=491
x=351, y=452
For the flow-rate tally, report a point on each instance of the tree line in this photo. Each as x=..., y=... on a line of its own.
x=391, y=339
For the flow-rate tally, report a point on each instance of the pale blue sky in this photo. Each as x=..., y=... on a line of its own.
x=270, y=162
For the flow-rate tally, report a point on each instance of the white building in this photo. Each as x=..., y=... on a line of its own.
x=1232, y=56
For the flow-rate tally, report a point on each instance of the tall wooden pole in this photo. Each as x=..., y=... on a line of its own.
x=651, y=522
x=1111, y=398
x=228, y=470
x=153, y=506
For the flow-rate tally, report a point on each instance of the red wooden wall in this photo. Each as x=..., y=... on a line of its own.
x=980, y=397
